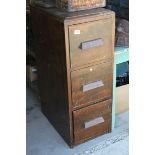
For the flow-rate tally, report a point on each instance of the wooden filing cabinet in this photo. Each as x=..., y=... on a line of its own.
x=74, y=54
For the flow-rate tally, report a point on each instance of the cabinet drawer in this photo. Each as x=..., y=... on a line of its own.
x=90, y=42
x=92, y=121
x=91, y=84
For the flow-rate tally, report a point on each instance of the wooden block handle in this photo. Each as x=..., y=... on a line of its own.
x=94, y=122
x=92, y=85
x=91, y=44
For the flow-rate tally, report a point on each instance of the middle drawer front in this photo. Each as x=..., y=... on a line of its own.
x=92, y=121
x=91, y=84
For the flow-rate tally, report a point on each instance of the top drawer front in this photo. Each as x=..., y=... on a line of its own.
x=90, y=42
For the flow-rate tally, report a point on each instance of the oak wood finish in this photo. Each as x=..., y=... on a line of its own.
x=50, y=55
x=99, y=110
x=63, y=72
x=100, y=29
x=87, y=76
x=76, y=5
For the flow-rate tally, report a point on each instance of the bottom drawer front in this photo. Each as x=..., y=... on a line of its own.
x=92, y=121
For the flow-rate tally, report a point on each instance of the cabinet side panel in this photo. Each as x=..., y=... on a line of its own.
x=39, y=20
x=51, y=60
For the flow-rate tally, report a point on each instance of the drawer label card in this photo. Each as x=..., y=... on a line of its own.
x=77, y=32
x=93, y=85
x=94, y=122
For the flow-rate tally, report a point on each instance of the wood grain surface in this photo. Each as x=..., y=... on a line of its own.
x=101, y=29
x=102, y=109
x=101, y=72
x=65, y=72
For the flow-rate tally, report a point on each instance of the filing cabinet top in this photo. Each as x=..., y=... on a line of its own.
x=63, y=15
